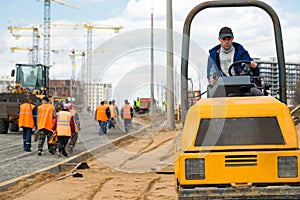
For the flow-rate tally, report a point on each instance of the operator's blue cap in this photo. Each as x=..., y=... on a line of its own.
x=225, y=32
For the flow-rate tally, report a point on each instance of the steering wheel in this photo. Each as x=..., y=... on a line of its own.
x=243, y=68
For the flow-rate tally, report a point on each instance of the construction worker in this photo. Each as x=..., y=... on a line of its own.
x=65, y=126
x=227, y=52
x=27, y=115
x=102, y=114
x=165, y=105
x=138, y=104
x=111, y=121
x=45, y=115
x=126, y=115
x=116, y=109
x=31, y=79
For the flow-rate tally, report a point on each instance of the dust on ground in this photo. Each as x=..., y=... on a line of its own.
x=127, y=171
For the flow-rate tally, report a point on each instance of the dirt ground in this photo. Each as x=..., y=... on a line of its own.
x=128, y=170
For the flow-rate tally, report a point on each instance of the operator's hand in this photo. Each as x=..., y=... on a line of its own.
x=252, y=64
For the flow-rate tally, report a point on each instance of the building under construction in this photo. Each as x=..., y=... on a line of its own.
x=270, y=73
x=98, y=91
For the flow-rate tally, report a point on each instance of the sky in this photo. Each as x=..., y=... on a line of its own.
x=119, y=56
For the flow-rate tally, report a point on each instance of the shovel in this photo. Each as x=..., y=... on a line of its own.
x=74, y=174
x=81, y=165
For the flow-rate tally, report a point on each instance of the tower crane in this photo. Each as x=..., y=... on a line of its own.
x=35, y=40
x=89, y=26
x=47, y=16
x=87, y=74
x=30, y=52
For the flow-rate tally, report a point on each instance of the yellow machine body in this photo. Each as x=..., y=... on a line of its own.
x=236, y=142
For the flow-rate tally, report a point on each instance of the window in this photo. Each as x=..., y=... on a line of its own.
x=239, y=131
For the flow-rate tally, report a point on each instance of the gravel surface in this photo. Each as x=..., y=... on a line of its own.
x=15, y=162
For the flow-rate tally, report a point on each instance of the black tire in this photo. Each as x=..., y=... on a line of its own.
x=3, y=126
x=13, y=127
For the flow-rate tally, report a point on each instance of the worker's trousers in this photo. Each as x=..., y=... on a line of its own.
x=27, y=138
x=102, y=128
x=127, y=125
x=62, y=142
x=45, y=135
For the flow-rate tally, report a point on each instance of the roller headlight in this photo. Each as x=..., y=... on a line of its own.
x=287, y=166
x=194, y=169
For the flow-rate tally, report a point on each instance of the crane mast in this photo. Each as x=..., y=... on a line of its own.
x=35, y=46
x=47, y=14
x=72, y=56
x=47, y=32
x=34, y=51
x=89, y=81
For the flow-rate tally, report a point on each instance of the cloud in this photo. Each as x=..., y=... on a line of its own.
x=251, y=26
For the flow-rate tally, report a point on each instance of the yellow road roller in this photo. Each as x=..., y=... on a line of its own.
x=234, y=145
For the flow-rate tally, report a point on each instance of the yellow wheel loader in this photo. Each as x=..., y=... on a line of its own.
x=31, y=80
x=236, y=146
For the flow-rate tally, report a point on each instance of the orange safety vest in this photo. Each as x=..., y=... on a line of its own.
x=26, y=115
x=45, y=116
x=63, y=123
x=126, y=111
x=101, y=113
